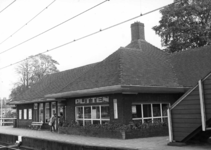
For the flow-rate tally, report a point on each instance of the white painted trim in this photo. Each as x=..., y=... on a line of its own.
x=203, y=113
x=206, y=77
x=170, y=125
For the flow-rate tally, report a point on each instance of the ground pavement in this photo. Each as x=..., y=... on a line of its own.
x=152, y=143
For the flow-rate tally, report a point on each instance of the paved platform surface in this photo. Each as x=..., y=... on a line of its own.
x=154, y=143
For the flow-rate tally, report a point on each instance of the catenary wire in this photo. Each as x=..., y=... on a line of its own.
x=52, y=27
x=7, y=6
x=112, y=26
x=27, y=22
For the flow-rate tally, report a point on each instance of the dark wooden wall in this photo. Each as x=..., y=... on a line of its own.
x=207, y=96
x=186, y=116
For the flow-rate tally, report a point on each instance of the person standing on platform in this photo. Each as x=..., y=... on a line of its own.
x=52, y=122
x=61, y=119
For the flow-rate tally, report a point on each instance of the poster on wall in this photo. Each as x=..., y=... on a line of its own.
x=35, y=106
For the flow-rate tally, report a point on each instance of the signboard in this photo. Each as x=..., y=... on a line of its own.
x=93, y=100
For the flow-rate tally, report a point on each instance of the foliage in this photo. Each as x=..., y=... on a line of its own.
x=10, y=114
x=17, y=91
x=31, y=71
x=134, y=129
x=185, y=24
x=131, y=126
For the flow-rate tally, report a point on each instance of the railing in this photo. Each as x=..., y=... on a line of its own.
x=6, y=121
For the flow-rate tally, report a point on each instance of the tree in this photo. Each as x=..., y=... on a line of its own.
x=185, y=24
x=31, y=71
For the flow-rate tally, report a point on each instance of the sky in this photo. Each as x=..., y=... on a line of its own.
x=86, y=51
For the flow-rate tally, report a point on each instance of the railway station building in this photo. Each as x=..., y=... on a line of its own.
x=136, y=82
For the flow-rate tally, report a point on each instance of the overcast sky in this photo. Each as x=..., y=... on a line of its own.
x=89, y=50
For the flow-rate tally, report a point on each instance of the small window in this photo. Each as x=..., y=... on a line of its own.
x=147, y=110
x=30, y=114
x=105, y=112
x=25, y=114
x=156, y=110
x=47, y=112
x=20, y=114
x=53, y=108
x=136, y=111
x=87, y=112
x=164, y=108
x=115, y=109
x=79, y=112
x=41, y=112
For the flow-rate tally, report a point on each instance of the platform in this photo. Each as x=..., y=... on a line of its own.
x=153, y=143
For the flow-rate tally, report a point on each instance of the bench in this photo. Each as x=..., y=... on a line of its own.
x=36, y=125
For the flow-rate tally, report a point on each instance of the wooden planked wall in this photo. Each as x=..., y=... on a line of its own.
x=186, y=116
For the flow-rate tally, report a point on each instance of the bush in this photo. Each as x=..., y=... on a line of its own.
x=131, y=126
x=134, y=129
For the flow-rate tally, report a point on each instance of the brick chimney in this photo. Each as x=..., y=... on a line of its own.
x=137, y=31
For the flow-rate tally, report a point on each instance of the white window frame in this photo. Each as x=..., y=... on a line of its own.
x=91, y=119
x=152, y=115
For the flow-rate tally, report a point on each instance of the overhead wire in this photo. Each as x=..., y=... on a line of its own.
x=27, y=22
x=91, y=34
x=7, y=6
x=52, y=27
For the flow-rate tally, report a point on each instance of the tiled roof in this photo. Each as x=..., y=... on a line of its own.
x=128, y=66
x=147, y=66
x=191, y=65
x=137, y=64
x=53, y=83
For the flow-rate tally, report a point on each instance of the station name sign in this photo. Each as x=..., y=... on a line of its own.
x=92, y=100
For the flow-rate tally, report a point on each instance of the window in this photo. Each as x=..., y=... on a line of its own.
x=25, y=114
x=150, y=112
x=115, y=109
x=53, y=108
x=97, y=114
x=136, y=111
x=20, y=114
x=47, y=112
x=61, y=108
x=41, y=112
x=30, y=113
